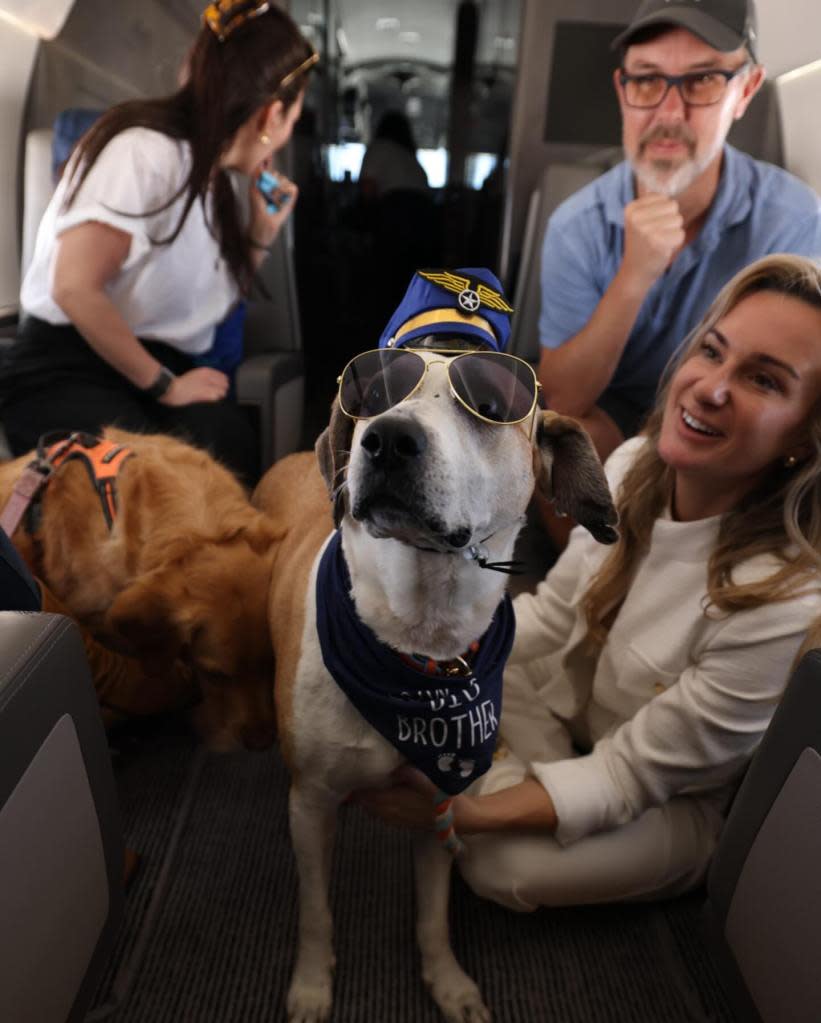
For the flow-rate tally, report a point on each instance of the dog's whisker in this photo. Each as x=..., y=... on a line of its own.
x=338, y=455
x=343, y=486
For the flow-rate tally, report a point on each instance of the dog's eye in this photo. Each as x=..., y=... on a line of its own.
x=374, y=396
x=489, y=408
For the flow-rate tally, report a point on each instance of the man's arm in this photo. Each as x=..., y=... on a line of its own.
x=576, y=373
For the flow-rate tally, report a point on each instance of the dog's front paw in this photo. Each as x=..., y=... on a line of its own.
x=309, y=999
x=459, y=999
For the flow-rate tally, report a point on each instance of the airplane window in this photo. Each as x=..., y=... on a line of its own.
x=435, y=164
x=344, y=158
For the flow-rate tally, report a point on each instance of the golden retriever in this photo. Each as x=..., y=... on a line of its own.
x=182, y=577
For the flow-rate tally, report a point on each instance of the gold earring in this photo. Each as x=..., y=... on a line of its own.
x=264, y=139
x=790, y=462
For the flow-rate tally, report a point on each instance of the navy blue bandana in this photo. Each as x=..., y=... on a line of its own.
x=444, y=726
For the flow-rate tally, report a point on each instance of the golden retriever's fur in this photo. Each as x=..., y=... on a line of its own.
x=183, y=575
x=294, y=497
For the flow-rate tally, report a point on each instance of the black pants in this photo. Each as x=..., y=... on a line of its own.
x=51, y=379
x=18, y=590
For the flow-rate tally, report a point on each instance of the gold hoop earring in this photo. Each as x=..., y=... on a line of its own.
x=790, y=462
x=264, y=139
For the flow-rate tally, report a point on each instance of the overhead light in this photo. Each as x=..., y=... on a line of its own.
x=409, y=37
x=504, y=42
x=342, y=42
x=315, y=18
x=387, y=24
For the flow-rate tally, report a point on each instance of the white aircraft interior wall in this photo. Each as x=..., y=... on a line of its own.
x=18, y=50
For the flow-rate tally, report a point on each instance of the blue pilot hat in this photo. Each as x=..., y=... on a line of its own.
x=467, y=303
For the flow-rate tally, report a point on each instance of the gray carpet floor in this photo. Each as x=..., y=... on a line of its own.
x=210, y=921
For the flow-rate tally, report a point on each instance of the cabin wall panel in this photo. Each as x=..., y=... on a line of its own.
x=799, y=98
x=19, y=50
x=789, y=34
x=108, y=52
x=529, y=152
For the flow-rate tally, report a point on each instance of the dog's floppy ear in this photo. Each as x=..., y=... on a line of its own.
x=142, y=620
x=568, y=471
x=333, y=449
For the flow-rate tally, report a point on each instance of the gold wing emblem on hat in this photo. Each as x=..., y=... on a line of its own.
x=492, y=299
x=458, y=284
x=446, y=280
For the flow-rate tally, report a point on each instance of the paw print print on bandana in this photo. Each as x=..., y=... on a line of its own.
x=449, y=763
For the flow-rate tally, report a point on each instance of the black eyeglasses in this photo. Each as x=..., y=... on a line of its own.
x=696, y=88
x=497, y=388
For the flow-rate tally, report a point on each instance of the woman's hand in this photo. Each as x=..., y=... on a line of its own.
x=200, y=384
x=265, y=226
x=409, y=803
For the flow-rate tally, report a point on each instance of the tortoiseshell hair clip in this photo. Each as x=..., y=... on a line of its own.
x=223, y=16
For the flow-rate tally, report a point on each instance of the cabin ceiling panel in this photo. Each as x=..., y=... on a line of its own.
x=419, y=31
x=135, y=42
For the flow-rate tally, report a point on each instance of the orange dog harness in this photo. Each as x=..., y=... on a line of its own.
x=103, y=460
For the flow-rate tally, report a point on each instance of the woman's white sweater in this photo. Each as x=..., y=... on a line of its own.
x=678, y=698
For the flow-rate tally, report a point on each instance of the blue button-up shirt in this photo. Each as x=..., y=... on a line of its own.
x=758, y=209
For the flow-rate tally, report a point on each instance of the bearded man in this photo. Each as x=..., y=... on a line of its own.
x=632, y=261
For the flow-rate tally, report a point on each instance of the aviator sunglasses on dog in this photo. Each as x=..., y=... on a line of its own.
x=497, y=388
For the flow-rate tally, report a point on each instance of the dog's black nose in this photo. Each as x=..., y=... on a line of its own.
x=391, y=442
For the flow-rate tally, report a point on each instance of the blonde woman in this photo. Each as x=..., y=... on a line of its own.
x=643, y=676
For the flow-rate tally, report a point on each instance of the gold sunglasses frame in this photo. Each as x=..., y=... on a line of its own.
x=455, y=355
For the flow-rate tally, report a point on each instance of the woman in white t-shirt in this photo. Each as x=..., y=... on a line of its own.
x=644, y=675
x=145, y=247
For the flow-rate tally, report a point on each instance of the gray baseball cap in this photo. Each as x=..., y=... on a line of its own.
x=723, y=24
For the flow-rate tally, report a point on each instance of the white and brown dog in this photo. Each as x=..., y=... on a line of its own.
x=430, y=457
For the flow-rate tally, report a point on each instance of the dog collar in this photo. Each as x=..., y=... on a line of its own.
x=456, y=667
x=446, y=727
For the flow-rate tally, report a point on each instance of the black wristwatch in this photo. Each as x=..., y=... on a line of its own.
x=164, y=379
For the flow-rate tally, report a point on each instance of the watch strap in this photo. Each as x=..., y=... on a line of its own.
x=164, y=379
